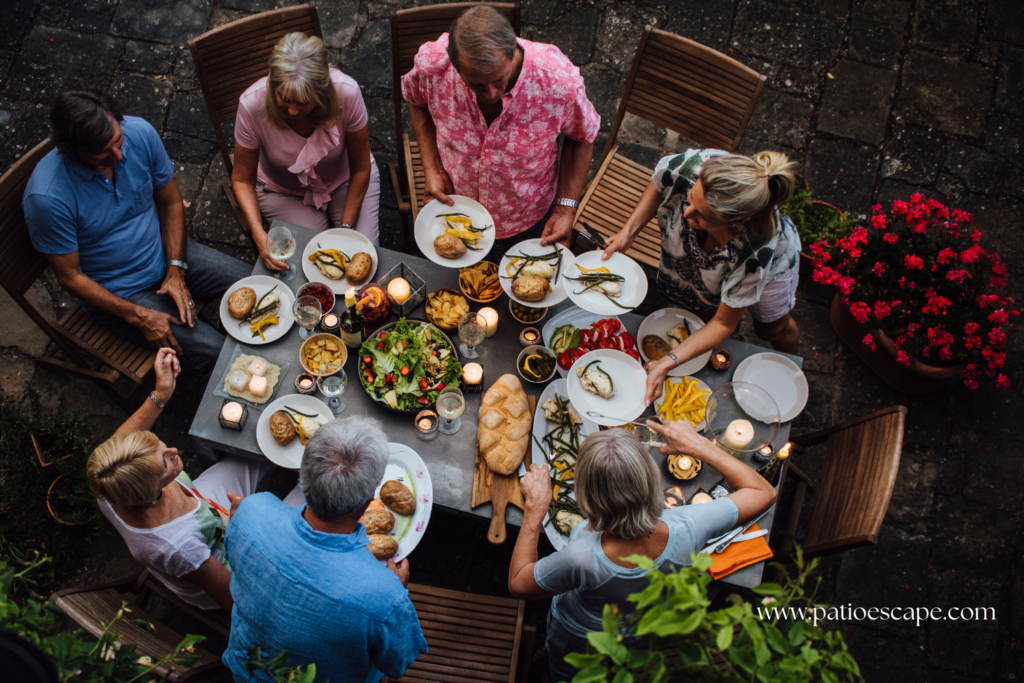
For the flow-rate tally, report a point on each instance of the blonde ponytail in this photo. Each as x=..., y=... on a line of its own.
x=121, y=472
x=741, y=189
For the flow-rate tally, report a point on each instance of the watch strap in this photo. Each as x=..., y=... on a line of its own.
x=159, y=404
x=571, y=203
x=179, y=264
x=675, y=359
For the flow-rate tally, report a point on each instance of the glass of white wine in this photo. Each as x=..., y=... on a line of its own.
x=333, y=388
x=472, y=329
x=450, y=405
x=281, y=246
x=307, y=312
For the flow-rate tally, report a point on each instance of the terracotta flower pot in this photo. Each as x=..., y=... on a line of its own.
x=916, y=380
x=51, y=494
x=807, y=259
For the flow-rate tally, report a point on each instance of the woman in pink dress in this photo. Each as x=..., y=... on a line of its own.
x=302, y=147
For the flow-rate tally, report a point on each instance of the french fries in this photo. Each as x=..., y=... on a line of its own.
x=684, y=400
x=480, y=282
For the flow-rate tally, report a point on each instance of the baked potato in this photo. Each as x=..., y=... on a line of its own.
x=282, y=428
x=448, y=246
x=359, y=268
x=654, y=346
x=241, y=301
x=530, y=287
x=382, y=546
x=398, y=497
x=378, y=521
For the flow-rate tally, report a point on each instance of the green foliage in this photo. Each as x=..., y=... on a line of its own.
x=814, y=223
x=79, y=657
x=277, y=667
x=683, y=639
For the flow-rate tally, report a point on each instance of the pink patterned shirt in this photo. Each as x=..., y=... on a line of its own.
x=511, y=167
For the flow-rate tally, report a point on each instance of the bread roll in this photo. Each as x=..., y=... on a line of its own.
x=398, y=497
x=378, y=521
x=383, y=547
x=241, y=301
x=503, y=434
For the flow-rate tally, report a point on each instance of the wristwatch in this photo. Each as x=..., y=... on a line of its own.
x=571, y=203
x=346, y=226
x=159, y=404
x=180, y=264
x=675, y=359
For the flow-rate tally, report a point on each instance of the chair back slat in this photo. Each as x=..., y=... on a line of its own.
x=20, y=263
x=232, y=57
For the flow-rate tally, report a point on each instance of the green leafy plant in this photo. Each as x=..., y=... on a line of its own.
x=675, y=635
x=814, y=222
x=277, y=667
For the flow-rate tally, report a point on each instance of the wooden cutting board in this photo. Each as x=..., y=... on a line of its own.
x=500, y=489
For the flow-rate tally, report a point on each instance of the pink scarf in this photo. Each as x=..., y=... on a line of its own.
x=318, y=145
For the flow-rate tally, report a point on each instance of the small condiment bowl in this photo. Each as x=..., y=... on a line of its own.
x=530, y=350
x=313, y=340
x=492, y=268
x=526, y=322
x=325, y=295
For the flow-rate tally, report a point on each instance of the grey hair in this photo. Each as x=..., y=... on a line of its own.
x=739, y=188
x=342, y=465
x=618, y=486
x=483, y=35
x=300, y=70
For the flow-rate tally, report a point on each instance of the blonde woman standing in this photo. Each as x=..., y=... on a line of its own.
x=302, y=147
x=173, y=526
x=725, y=247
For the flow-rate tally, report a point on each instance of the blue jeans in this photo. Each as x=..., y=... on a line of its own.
x=209, y=275
x=559, y=643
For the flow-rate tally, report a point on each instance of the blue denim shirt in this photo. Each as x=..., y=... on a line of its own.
x=323, y=597
x=114, y=227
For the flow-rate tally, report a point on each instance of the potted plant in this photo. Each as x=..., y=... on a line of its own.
x=69, y=499
x=918, y=296
x=815, y=221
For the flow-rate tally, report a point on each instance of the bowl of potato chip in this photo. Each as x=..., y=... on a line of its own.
x=323, y=349
x=480, y=282
x=444, y=308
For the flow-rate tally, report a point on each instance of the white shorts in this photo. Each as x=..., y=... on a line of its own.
x=777, y=298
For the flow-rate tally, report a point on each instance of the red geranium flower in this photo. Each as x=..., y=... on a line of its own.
x=913, y=262
x=891, y=237
x=869, y=342
x=902, y=358
x=1002, y=382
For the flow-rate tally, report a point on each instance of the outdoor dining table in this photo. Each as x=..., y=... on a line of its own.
x=450, y=459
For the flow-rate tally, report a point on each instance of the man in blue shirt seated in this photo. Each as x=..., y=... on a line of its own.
x=303, y=579
x=106, y=211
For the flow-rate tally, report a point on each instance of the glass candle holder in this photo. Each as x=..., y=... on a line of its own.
x=330, y=323
x=233, y=415
x=721, y=360
x=417, y=290
x=529, y=337
x=426, y=424
x=674, y=497
x=472, y=378
x=765, y=453
x=305, y=383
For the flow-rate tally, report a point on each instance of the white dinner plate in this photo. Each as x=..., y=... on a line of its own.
x=345, y=240
x=533, y=248
x=541, y=427
x=289, y=456
x=659, y=323
x=261, y=284
x=634, y=289
x=571, y=316
x=780, y=377
x=630, y=382
x=430, y=225
x=406, y=466
x=700, y=426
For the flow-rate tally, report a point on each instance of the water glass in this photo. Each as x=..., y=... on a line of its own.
x=281, y=246
x=472, y=330
x=307, y=312
x=450, y=405
x=333, y=388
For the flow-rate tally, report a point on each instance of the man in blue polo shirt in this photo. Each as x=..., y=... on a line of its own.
x=105, y=210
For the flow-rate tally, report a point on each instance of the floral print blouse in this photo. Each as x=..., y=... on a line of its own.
x=734, y=273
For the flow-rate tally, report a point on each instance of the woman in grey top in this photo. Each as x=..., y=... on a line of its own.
x=618, y=488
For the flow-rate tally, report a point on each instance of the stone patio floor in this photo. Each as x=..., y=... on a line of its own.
x=875, y=98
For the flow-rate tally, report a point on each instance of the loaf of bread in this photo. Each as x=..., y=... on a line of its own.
x=504, y=429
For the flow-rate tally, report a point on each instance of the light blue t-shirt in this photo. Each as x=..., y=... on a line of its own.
x=323, y=597
x=115, y=230
x=584, y=580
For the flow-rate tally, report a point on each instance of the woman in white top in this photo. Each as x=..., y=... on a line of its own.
x=618, y=488
x=173, y=526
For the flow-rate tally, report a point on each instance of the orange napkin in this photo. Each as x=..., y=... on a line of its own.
x=740, y=555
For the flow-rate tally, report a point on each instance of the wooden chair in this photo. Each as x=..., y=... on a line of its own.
x=685, y=87
x=232, y=57
x=472, y=638
x=861, y=461
x=89, y=349
x=411, y=28
x=91, y=607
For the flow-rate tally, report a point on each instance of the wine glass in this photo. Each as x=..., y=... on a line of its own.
x=281, y=246
x=450, y=405
x=307, y=312
x=333, y=387
x=472, y=329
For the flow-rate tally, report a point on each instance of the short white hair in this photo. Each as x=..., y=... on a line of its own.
x=618, y=486
x=342, y=465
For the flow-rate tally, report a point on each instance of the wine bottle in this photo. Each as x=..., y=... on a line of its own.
x=351, y=322
x=771, y=470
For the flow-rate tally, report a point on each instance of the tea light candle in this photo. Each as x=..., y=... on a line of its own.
x=738, y=434
x=238, y=380
x=491, y=317
x=258, y=368
x=426, y=424
x=472, y=373
x=721, y=360
x=399, y=289
x=330, y=323
x=233, y=416
x=258, y=385
x=674, y=497
x=529, y=337
x=764, y=454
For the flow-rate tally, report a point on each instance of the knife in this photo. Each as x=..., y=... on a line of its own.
x=732, y=536
x=593, y=235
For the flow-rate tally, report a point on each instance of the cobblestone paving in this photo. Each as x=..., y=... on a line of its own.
x=875, y=98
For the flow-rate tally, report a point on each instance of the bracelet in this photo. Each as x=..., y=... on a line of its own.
x=675, y=359
x=346, y=226
x=571, y=203
x=159, y=404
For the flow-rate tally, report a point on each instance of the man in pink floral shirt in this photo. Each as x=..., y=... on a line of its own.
x=487, y=110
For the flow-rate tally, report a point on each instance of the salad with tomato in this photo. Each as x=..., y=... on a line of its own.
x=405, y=366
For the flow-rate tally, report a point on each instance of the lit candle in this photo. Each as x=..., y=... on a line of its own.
x=258, y=386
x=424, y=424
x=258, y=367
x=330, y=320
x=685, y=463
x=491, y=317
x=738, y=434
x=472, y=373
x=699, y=498
x=530, y=336
x=306, y=383
x=238, y=380
x=399, y=289
x=720, y=358
x=232, y=412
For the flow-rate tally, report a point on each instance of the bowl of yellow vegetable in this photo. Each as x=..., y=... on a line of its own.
x=684, y=398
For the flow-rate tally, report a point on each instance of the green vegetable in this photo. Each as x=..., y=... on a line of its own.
x=564, y=338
